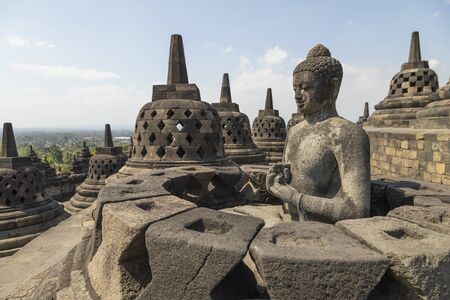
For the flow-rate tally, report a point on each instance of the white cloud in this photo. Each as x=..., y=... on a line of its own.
x=350, y=22
x=433, y=63
x=436, y=14
x=17, y=41
x=64, y=72
x=273, y=56
x=244, y=63
x=366, y=83
x=44, y=44
x=228, y=49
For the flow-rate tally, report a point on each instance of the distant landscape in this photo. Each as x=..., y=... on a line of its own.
x=59, y=146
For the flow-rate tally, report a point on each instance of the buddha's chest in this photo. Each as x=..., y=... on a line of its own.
x=312, y=160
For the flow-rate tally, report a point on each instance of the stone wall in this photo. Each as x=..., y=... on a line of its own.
x=422, y=154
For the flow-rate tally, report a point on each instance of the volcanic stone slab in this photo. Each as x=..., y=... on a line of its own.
x=120, y=266
x=312, y=260
x=193, y=252
x=420, y=257
x=436, y=218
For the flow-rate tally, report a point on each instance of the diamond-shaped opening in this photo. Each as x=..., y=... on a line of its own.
x=7, y=202
x=198, y=125
x=170, y=113
x=179, y=125
x=207, y=139
x=200, y=152
x=14, y=192
x=203, y=113
x=229, y=120
x=144, y=152
x=145, y=125
x=181, y=152
x=234, y=140
x=161, y=125
x=161, y=152
x=22, y=199
x=139, y=139
x=152, y=138
x=153, y=113
x=229, y=132
x=169, y=138
x=188, y=113
x=189, y=139
x=142, y=115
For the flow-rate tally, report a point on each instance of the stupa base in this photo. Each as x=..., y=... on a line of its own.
x=17, y=228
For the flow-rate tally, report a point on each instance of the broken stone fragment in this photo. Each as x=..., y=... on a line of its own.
x=195, y=254
x=312, y=260
x=119, y=269
x=436, y=218
x=420, y=257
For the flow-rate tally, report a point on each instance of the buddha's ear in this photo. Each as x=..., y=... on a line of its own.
x=335, y=84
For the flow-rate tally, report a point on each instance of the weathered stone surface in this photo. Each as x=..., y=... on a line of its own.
x=420, y=257
x=269, y=131
x=436, y=218
x=236, y=131
x=26, y=209
x=119, y=269
x=191, y=254
x=254, y=189
x=271, y=214
x=428, y=201
x=437, y=113
x=312, y=260
x=325, y=174
x=176, y=128
x=408, y=91
x=106, y=162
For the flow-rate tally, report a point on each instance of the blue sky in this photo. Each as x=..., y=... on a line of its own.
x=81, y=64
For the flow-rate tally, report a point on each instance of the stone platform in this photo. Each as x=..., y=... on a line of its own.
x=422, y=154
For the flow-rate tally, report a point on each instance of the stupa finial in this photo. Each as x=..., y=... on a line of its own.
x=414, y=49
x=225, y=94
x=269, y=101
x=9, y=148
x=177, y=64
x=366, y=110
x=108, y=136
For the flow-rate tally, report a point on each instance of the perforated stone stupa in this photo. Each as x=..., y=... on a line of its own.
x=25, y=209
x=295, y=119
x=408, y=91
x=176, y=128
x=436, y=114
x=236, y=131
x=106, y=162
x=269, y=131
x=84, y=157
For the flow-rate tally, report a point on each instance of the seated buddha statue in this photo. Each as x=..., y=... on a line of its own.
x=325, y=174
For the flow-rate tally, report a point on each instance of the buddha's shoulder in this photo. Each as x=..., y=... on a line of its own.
x=343, y=128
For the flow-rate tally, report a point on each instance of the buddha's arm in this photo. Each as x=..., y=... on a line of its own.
x=353, y=199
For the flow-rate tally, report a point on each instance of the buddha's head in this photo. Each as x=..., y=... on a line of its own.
x=317, y=80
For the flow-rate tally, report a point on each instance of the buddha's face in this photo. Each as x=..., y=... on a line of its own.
x=314, y=93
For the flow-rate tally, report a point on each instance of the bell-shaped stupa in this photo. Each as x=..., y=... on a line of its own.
x=106, y=162
x=408, y=91
x=365, y=115
x=436, y=115
x=269, y=131
x=84, y=157
x=176, y=128
x=26, y=210
x=295, y=119
x=236, y=130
